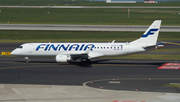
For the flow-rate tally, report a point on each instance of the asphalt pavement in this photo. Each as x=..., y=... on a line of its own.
x=104, y=80
x=45, y=71
x=85, y=27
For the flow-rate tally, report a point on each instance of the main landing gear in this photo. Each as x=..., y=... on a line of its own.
x=88, y=61
x=27, y=59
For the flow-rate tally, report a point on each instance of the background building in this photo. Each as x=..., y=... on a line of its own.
x=149, y=1
x=134, y=1
x=120, y=1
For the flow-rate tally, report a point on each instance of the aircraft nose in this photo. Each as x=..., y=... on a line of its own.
x=13, y=52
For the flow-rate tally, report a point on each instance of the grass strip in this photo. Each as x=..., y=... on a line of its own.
x=78, y=36
x=89, y=16
x=81, y=3
x=150, y=56
x=172, y=85
x=167, y=50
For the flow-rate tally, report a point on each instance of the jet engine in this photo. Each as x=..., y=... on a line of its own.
x=62, y=58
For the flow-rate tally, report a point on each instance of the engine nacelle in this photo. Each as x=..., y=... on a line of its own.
x=62, y=58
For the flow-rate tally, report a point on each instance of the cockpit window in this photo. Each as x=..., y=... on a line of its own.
x=20, y=47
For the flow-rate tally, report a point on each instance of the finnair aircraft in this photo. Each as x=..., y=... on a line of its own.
x=65, y=52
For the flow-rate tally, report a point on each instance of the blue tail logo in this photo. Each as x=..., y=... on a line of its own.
x=150, y=32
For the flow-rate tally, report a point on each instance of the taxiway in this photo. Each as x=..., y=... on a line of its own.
x=104, y=80
x=133, y=73
x=84, y=27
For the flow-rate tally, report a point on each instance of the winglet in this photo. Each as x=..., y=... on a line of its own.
x=113, y=41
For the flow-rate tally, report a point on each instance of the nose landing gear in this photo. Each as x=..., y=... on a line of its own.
x=27, y=59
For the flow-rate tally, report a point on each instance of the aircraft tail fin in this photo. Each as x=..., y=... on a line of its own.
x=150, y=36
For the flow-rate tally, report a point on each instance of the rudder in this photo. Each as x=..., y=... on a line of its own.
x=150, y=36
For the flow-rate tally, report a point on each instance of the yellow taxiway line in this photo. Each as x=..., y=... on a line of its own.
x=172, y=43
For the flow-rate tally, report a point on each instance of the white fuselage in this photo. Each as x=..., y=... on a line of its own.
x=64, y=52
x=95, y=49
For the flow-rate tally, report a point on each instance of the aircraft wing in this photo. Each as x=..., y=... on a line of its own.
x=82, y=54
x=85, y=55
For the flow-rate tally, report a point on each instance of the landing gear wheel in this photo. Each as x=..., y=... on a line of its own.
x=88, y=61
x=27, y=59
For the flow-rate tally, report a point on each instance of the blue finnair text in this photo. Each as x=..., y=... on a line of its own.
x=68, y=47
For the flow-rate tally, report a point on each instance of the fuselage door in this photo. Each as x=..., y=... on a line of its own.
x=127, y=47
x=30, y=47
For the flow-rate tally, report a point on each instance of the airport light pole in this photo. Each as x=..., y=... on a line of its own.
x=128, y=12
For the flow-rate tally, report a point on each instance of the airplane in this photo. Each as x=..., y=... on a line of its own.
x=66, y=52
